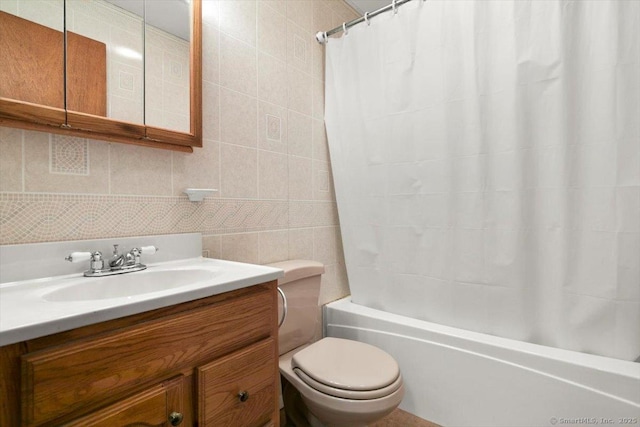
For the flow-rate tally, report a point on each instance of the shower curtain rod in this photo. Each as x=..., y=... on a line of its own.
x=322, y=37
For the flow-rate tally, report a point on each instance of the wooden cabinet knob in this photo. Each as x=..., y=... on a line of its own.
x=175, y=418
x=243, y=396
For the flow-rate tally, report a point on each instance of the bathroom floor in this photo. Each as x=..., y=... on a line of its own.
x=397, y=418
x=400, y=418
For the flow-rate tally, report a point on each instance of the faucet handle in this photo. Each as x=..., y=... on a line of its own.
x=115, y=250
x=78, y=256
x=148, y=250
x=97, y=263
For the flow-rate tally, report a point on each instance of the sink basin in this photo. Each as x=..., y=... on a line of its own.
x=128, y=285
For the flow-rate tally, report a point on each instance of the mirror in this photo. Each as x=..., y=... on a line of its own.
x=132, y=67
x=32, y=68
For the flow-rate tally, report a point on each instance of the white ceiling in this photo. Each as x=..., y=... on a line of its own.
x=363, y=6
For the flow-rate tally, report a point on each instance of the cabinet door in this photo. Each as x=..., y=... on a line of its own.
x=89, y=373
x=239, y=389
x=151, y=407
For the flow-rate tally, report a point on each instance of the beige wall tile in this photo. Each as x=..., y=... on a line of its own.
x=238, y=118
x=322, y=181
x=301, y=243
x=343, y=11
x=210, y=111
x=10, y=159
x=317, y=98
x=272, y=32
x=299, y=47
x=342, y=279
x=243, y=247
x=200, y=169
x=334, y=284
x=325, y=245
x=272, y=175
x=299, y=91
x=317, y=61
x=301, y=12
x=238, y=66
x=274, y=246
x=300, y=178
x=210, y=53
x=322, y=19
x=139, y=170
x=320, y=144
x=211, y=246
x=238, y=171
x=59, y=163
x=272, y=127
x=272, y=80
x=300, y=135
x=278, y=5
x=238, y=19
x=328, y=285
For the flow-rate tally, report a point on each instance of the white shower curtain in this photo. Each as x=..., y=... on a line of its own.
x=486, y=160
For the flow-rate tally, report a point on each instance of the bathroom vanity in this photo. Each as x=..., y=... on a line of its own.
x=203, y=353
x=213, y=359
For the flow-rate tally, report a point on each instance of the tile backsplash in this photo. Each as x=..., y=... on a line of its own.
x=264, y=148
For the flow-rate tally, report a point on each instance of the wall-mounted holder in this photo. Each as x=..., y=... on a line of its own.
x=198, y=194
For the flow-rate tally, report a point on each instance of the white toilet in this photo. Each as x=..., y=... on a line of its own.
x=337, y=382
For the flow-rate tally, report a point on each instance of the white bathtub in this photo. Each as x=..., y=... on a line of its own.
x=459, y=378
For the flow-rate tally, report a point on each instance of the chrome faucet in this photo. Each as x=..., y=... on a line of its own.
x=117, y=260
x=118, y=263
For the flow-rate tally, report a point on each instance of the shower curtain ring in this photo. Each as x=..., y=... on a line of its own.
x=393, y=6
x=366, y=18
x=344, y=28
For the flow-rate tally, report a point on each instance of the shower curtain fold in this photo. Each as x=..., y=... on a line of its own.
x=486, y=159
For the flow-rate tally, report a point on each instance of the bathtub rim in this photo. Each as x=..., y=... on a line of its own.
x=629, y=370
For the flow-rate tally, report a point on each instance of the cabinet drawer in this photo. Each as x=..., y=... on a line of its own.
x=148, y=408
x=251, y=370
x=82, y=375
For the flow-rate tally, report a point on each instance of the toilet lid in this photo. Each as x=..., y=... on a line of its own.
x=346, y=365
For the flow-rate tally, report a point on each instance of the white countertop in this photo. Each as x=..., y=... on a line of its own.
x=27, y=310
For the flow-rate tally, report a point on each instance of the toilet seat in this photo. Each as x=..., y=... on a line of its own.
x=349, y=394
x=347, y=369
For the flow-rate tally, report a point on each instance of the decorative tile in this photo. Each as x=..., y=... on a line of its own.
x=68, y=155
x=274, y=132
x=126, y=80
x=42, y=217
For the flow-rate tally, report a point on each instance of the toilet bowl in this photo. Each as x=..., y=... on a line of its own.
x=340, y=382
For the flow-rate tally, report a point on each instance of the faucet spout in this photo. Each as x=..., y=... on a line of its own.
x=117, y=260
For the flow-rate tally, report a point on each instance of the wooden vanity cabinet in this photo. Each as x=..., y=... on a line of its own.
x=208, y=362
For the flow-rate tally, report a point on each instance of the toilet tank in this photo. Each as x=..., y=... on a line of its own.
x=301, y=286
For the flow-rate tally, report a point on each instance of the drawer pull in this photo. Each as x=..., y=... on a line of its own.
x=175, y=418
x=243, y=396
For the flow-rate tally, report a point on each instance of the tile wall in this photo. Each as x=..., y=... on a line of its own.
x=264, y=149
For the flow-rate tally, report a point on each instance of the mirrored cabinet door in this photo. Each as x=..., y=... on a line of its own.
x=167, y=64
x=105, y=63
x=32, y=68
